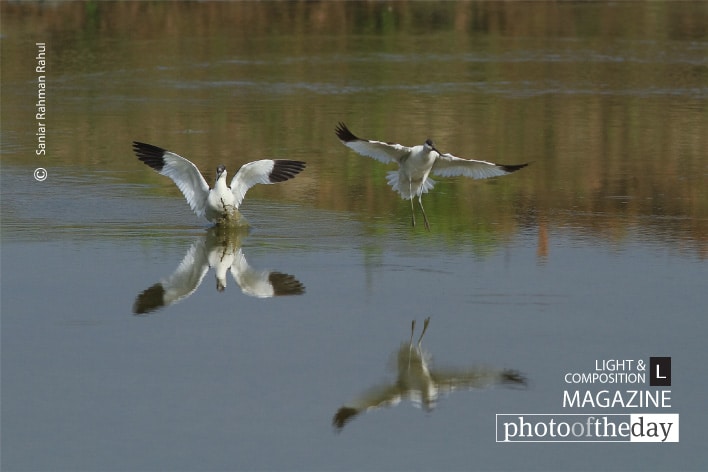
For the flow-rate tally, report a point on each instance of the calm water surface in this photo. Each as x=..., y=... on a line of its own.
x=595, y=251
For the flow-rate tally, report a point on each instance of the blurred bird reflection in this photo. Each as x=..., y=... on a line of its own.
x=421, y=384
x=220, y=249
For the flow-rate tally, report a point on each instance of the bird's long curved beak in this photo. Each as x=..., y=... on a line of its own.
x=432, y=145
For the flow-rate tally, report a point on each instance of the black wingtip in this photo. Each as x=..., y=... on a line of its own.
x=284, y=169
x=285, y=284
x=514, y=378
x=343, y=416
x=150, y=155
x=513, y=167
x=149, y=300
x=344, y=134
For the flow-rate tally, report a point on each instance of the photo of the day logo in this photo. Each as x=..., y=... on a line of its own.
x=660, y=371
x=643, y=427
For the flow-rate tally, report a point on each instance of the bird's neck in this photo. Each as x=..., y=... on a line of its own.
x=220, y=185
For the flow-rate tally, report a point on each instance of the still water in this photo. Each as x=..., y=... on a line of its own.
x=135, y=337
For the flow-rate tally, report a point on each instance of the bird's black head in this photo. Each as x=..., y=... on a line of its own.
x=429, y=143
x=220, y=170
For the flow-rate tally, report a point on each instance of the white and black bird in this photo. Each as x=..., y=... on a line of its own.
x=220, y=249
x=417, y=381
x=416, y=163
x=218, y=204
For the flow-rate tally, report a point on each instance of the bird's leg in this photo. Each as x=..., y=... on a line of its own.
x=410, y=192
x=226, y=207
x=425, y=217
x=425, y=328
x=223, y=253
x=410, y=344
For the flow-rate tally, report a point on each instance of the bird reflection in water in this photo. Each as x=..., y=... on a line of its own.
x=421, y=384
x=219, y=249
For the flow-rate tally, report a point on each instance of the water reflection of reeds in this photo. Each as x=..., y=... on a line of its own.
x=615, y=128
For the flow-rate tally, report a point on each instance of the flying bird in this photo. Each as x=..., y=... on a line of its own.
x=416, y=163
x=422, y=384
x=218, y=204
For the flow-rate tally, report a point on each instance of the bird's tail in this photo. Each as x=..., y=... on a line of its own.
x=404, y=188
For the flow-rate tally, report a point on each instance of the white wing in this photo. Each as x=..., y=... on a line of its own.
x=266, y=171
x=376, y=397
x=180, y=284
x=263, y=283
x=447, y=380
x=447, y=165
x=384, y=152
x=185, y=174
